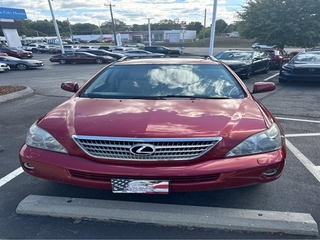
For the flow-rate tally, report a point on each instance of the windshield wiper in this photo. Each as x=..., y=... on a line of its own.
x=195, y=96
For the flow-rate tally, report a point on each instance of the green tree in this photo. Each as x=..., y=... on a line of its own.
x=85, y=29
x=197, y=26
x=281, y=22
x=221, y=27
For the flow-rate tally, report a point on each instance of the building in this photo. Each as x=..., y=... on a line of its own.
x=157, y=36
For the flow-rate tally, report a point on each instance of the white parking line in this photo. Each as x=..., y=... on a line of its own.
x=11, y=176
x=267, y=79
x=304, y=160
x=303, y=135
x=298, y=120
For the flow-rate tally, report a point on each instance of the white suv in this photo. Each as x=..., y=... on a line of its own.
x=70, y=48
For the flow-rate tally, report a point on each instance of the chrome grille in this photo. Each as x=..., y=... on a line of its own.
x=164, y=148
x=307, y=71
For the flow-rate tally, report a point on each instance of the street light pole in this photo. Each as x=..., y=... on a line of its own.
x=149, y=31
x=213, y=26
x=56, y=27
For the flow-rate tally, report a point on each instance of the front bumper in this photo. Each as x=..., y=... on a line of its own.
x=287, y=76
x=193, y=176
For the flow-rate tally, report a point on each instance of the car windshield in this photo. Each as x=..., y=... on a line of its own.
x=164, y=81
x=308, y=57
x=234, y=56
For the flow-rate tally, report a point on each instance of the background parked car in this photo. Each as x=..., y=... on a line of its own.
x=101, y=52
x=164, y=50
x=71, y=48
x=54, y=49
x=20, y=64
x=122, y=49
x=142, y=53
x=245, y=63
x=277, y=57
x=80, y=57
x=104, y=48
x=33, y=47
x=4, y=67
x=135, y=45
x=258, y=46
x=86, y=47
x=17, y=52
x=305, y=66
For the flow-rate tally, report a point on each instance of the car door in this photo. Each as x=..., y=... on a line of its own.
x=258, y=61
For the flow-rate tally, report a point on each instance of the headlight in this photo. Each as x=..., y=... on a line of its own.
x=39, y=138
x=266, y=141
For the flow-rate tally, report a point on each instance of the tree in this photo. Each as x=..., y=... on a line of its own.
x=197, y=26
x=221, y=27
x=281, y=22
x=85, y=29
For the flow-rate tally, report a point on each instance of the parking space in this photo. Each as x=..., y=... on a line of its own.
x=297, y=190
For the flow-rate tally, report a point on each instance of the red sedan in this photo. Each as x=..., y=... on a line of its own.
x=16, y=52
x=158, y=126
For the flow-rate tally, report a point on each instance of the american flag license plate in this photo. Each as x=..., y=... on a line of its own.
x=140, y=186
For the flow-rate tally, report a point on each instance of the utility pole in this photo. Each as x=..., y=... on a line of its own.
x=113, y=27
x=204, y=26
x=70, y=29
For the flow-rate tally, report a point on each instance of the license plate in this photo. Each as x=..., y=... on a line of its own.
x=140, y=186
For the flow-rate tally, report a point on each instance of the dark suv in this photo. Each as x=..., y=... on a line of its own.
x=277, y=57
x=164, y=50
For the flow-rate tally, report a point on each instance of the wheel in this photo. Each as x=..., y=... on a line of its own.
x=249, y=73
x=34, y=50
x=99, y=61
x=62, y=61
x=266, y=70
x=22, y=66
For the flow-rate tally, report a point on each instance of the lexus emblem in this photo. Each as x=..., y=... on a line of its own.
x=142, y=149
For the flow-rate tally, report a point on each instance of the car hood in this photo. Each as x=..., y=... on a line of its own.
x=154, y=118
x=302, y=65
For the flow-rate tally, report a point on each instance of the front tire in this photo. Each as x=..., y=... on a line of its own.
x=22, y=67
x=99, y=61
x=62, y=61
x=249, y=73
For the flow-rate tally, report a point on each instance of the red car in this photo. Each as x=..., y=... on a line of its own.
x=278, y=57
x=158, y=126
x=16, y=52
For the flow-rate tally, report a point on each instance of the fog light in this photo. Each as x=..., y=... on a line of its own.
x=270, y=172
x=28, y=166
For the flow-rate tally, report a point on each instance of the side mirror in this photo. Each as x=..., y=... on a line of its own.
x=260, y=87
x=70, y=86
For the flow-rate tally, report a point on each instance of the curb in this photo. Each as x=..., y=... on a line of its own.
x=14, y=95
x=170, y=215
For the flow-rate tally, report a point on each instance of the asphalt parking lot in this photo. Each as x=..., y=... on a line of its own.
x=296, y=192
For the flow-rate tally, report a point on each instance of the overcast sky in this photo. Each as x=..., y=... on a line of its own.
x=127, y=11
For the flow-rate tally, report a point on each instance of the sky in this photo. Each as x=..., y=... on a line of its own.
x=128, y=11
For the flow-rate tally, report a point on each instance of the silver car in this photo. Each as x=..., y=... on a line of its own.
x=142, y=53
